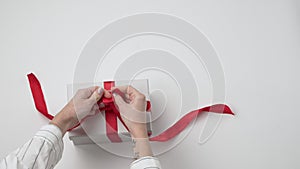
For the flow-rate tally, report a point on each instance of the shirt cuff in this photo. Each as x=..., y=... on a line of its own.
x=51, y=132
x=146, y=162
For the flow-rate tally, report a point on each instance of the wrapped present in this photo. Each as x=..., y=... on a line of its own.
x=107, y=126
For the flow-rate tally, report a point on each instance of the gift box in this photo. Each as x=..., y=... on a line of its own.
x=106, y=126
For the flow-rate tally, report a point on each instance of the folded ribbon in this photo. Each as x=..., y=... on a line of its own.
x=111, y=113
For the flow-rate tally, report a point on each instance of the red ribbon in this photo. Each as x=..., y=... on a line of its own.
x=111, y=116
x=111, y=112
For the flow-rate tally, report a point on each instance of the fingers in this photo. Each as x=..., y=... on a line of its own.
x=95, y=109
x=133, y=91
x=130, y=113
x=85, y=93
x=121, y=88
x=96, y=96
x=130, y=91
x=119, y=100
x=92, y=88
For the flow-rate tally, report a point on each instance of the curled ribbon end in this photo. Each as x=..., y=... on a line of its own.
x=231, y=113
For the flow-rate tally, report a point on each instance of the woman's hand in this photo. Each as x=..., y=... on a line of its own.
x=83, y=104
x=133, y=112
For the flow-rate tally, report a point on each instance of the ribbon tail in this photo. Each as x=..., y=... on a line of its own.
x=38, y=96
x=180, y=125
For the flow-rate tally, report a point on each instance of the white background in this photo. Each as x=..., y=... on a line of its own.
x=258, y=45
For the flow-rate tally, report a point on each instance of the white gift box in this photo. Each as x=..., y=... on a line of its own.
x=93, y=129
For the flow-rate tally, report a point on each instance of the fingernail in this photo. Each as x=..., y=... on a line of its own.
x=114, y=94
x=100, y=91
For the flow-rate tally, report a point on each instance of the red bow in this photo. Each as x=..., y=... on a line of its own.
x=111, y=112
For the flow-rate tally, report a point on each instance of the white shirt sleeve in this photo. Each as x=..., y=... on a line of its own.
x=147, y=162
x=43, y=151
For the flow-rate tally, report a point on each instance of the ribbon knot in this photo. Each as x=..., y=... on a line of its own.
x=106, y=105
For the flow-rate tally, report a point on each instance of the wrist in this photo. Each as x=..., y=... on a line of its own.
x=141, y=147
x=139, y=132
x=65, y=119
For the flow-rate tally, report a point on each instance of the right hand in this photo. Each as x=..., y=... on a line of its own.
x=132, y=110
x=83, y=104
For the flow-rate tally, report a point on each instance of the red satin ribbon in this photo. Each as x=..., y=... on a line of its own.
x=111, y=112
x=111, y=116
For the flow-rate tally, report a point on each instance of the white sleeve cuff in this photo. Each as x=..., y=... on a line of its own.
x=145, y=163
x=51, y=132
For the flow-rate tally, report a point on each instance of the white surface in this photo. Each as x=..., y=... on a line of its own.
x=258, y=44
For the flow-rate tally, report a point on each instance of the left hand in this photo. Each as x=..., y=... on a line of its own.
x=83, y=104
x=133, y=111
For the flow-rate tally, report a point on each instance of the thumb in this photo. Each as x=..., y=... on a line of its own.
x=119, y=100
x=96, y=96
